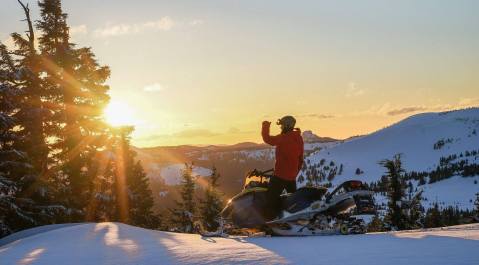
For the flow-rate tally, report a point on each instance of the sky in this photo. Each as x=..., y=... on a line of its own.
x=209, y=72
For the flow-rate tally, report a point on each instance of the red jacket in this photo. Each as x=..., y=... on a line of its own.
x=289, y=152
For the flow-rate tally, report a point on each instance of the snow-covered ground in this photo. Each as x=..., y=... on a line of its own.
x=414, y=138
x=117, y=244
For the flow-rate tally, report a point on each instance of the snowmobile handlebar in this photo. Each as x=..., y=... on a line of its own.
x=266, y=172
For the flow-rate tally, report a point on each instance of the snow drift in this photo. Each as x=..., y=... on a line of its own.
x=116, y=244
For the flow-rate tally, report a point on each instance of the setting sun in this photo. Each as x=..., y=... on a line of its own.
x=119, y=113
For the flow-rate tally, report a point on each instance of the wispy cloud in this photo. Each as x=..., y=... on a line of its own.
x=353, y=90
x=192, y=133
x=78, y=30
x=187, y=133
x=387, y=109
x=406, y=110
x=235, y=130
x=469, y=102
x=316, y=116
x=163, y=24
x=196, y=22
x=307, y=115
x=155, y=87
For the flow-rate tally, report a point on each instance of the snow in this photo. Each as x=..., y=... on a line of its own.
x=414, y=138
x=115, y=243
x=172, y=174
x=455, y=191
x=32, y=231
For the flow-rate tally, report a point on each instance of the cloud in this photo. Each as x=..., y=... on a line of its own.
x=469, y=102
x=234, y=130
x=354, y=91
x=193, y=133
x=307, y=115
x=316, y=116
x=163, y=24
x=78, y=30
x=196, y=22
x=463, y=103
x=405, y=110
x=155, y=87
x=187, y=133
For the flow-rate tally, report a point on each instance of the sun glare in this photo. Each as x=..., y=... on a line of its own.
x=119, y=114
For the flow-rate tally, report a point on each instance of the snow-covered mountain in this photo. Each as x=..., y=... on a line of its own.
x=425, y=141
x=116, y=243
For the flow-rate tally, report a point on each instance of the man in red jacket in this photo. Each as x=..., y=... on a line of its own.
x=289, y=159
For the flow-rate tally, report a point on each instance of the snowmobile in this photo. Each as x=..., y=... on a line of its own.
x=308, y=211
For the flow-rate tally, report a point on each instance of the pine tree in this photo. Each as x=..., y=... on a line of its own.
x=102, y=206
x=183, y=215
x=433, y=217
x=79, y=94
x=376, y=225
x=140, y=198
x=32, y=97
x=12, y=217
x=395, y=216
x=121, y=188
x=212, y=204
x=24, y=200
x=415, y=212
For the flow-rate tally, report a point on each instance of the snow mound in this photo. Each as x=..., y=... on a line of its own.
x=120, y=244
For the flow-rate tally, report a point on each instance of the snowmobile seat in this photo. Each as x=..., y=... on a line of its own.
x=302, y=198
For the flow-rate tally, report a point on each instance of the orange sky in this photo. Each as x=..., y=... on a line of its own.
x=209, y=73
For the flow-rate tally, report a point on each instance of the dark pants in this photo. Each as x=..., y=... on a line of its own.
x=275, y=189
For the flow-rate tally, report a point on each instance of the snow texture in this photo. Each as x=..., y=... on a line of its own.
x=120, y=244
x=415, y=138
x=172, y=174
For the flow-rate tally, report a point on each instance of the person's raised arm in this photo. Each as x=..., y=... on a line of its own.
x=267, y=138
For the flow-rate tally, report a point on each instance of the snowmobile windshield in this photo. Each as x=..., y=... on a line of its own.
x=256, y=182
x=257, y=179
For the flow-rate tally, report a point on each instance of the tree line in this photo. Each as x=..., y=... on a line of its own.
x=191, y=210
x=404, y=209
x=59, y=160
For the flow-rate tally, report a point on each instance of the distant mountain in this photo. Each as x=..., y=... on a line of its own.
x=164, y=165
x=242, y=157
x=442, y=148
x=310, y=137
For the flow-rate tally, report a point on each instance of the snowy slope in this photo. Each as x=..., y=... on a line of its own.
x=415, y=138
x=119, y=244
